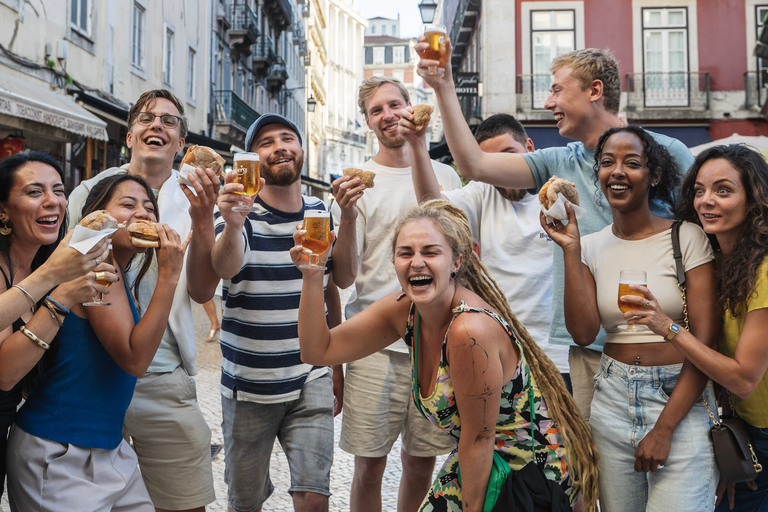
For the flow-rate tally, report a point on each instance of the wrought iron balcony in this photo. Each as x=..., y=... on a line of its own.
x=230, y=108
x=680, y=90
x=277, y=75
x=755, y=89
x=264, y=52
x=244, y=31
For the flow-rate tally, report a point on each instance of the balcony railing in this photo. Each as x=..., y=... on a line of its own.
x=532, y=91
x=264, y=49
x=230, y=108
x=244, y=19
x=755, y=89
x=664, y=90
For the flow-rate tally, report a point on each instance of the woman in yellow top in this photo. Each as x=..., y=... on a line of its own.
x=726, y=192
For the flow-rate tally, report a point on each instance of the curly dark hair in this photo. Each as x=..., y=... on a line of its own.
x=737, y=270
x=656, y=157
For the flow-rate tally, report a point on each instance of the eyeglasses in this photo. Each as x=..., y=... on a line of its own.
x=168, y=120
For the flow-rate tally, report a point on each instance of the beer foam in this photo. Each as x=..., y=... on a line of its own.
x=252, y=157
x=627, y=281
x=316, y=214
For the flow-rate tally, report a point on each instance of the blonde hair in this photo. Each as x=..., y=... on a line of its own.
x=370, y=85
x=593, y=64
x=452, y=222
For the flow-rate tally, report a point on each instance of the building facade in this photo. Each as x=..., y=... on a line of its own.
x=686, y=66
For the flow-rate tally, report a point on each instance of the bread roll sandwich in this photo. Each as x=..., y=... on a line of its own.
x=421, y=115
x=366, y=177
x=205, y=158
x=143, y=233
x=555, y=185
x=98, y=221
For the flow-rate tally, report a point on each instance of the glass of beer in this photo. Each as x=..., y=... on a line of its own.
x=103, y=282
x=435, y=37
x=626, y=278
x=317, y=224
x=246, y=165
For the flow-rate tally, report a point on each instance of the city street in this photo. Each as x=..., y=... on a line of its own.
x=208, y=363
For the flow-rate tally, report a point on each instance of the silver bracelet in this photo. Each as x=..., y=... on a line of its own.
x=32, y=302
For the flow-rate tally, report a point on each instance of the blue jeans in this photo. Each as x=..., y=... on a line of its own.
x=748, y=500
x=304, y=428
x=628, y=400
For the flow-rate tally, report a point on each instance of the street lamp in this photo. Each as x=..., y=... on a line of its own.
x=427, y=9
x=311, y=103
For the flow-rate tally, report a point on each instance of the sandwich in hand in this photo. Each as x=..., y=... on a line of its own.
x=366, y=177
x=421, y=115
x=555, y=185
x=204, y=158
x=143, y=233
x=99, y=221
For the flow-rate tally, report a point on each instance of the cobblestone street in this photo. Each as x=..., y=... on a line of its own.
x=208, y=362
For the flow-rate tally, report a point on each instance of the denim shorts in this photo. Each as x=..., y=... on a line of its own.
x=628, y=400
x=304, y=428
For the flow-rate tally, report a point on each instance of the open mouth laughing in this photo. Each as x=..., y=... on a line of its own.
x=420, y=281
x=48, y=221
x=153, y=140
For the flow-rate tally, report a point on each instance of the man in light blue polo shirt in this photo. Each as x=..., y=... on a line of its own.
x=585, y=94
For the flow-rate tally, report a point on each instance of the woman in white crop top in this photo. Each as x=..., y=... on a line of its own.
x=648, y=418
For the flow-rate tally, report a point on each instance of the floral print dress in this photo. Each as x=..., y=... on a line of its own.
x=513, y=427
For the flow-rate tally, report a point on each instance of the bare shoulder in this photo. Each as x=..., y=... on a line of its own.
x=476, y=329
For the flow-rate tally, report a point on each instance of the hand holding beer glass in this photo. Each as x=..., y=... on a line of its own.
x=317, y=224
x=626, y=278
x=246, y=165
x=435, y=37
x=101, y=279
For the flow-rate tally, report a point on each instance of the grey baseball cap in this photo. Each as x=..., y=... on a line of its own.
x=263, y=121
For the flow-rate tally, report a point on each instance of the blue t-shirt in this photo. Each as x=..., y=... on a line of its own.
x=575, y=163
x=82, y=399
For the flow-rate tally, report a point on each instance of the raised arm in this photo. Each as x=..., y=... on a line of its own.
x=201, y=278
x=133, y=346
x=501, y=169
x=582, y=318
x=228, y=250
x=362, y=335
x=346, y=191
x=424, y=180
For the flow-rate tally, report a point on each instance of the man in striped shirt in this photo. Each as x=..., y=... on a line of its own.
x=267, y=392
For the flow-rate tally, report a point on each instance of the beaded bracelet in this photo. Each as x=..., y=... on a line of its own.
x=32, y=302
x=34, y=338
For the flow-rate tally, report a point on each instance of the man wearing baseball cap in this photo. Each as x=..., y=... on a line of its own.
x=267, y=392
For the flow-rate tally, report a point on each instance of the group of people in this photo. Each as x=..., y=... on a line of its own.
x=477, y=327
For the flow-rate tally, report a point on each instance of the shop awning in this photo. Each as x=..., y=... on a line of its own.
x=20, y=98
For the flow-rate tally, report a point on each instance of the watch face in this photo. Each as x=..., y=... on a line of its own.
x=674, y=328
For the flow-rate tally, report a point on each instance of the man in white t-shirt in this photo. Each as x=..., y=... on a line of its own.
x=505, y=224
x=377, y=391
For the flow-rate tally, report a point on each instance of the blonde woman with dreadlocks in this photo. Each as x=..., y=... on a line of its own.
x=478, y=375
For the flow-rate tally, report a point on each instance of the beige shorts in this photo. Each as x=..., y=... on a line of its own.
x=584, y=363
x=378, y=407
x=172, y=440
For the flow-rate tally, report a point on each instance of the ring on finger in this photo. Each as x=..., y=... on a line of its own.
x=647, y=303
x=97, y=261
x=101, y=276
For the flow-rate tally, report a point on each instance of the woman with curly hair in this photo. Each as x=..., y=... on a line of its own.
x=648, y=420
x=476, y=372
x=726, y=192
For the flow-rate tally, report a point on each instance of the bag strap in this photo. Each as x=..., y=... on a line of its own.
x=678, y=255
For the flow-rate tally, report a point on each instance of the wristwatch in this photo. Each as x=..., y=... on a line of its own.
x=673, y=330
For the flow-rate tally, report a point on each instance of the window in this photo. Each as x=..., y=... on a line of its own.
x=398, y=53
x=399, y=74
x=191, y=74
x=394, y=30
x=383, y=30
x=137, y=36
x=80, y=16
x=373, y=29
x=168, y=57
x=378, y=55
x=665, y=55
x=761, y=11
x=552, y=33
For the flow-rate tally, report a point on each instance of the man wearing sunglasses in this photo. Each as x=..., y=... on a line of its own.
x=164, y=421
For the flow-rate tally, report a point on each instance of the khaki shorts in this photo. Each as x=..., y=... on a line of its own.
x=378, y=407
x=584, y=363
x=172, y=440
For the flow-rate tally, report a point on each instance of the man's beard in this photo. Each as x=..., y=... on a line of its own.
x=287, y=175
x=392, y=143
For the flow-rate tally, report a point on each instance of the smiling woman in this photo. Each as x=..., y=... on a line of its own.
x=642, y=380
x=456, y=321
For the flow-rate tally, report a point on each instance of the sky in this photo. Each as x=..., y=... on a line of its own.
x=410, y=19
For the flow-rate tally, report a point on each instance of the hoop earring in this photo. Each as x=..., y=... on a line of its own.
x=453, y=274
x=5, y=230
